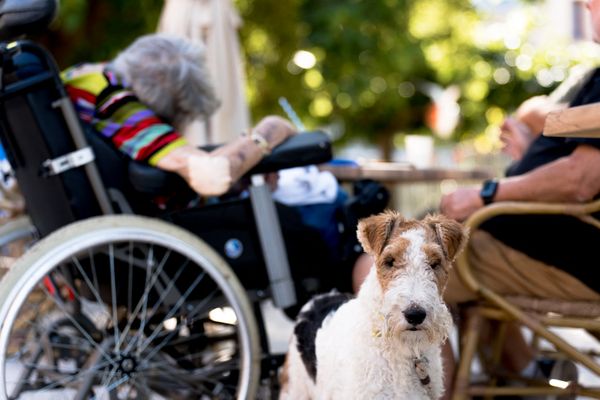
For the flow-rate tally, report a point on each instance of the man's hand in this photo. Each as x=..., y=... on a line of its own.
x=516, y=137
x=460, y=204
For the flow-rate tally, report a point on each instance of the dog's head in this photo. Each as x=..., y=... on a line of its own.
x=412, y=261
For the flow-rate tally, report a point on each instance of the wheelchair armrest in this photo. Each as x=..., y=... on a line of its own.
x=582, y=211
x=302, y=149
x=305, y=148
x=154, y=181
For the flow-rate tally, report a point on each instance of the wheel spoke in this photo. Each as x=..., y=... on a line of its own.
x=150, y=282
x=71, y=378
x=88, y=282
x=129, y=280
x=109, y=377
x=171, y=313
x=171, y=334
x=114, y=385
x=113, y=292
x=79, y=327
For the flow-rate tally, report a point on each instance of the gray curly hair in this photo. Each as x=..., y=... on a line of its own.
x=169, y=75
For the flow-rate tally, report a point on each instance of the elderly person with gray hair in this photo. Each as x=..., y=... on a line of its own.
x=149, y=91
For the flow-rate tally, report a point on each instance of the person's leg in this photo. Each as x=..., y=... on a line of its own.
x=361, y=269
x=510, y=272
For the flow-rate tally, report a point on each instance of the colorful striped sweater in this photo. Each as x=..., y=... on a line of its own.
x=117, y=114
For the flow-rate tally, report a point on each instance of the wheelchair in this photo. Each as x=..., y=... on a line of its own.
x=123, y=299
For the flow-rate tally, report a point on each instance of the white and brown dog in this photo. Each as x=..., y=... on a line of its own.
x=386, y=342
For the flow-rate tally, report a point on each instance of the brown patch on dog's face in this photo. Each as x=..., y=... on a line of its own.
x=448, y=237
x=380, y=237
x=450, y=234
x=391, y=261
x=438, y=263
x=375, y=232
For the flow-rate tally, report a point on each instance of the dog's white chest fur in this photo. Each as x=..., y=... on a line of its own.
x=385, y=343
x=361, y=364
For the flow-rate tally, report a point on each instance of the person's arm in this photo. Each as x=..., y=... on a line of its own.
x=213, y=173
x=575, y=178
x=533, y=112
x=244, y=153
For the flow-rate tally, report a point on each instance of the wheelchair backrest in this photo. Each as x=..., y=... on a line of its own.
x=20, y=17
x=48, y=164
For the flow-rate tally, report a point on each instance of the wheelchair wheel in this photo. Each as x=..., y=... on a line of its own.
x=124, y=307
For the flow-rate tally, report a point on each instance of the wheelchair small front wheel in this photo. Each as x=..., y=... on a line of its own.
x=124, y=307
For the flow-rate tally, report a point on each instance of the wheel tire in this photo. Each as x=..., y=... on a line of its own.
x=71, y=241
x=19, y=229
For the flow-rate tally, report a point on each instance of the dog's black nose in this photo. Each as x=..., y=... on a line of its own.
x=414, y=315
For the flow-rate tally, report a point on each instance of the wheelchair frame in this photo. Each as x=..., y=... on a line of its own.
x=56, y=266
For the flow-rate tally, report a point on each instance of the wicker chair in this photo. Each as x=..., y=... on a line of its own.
x=539, y=315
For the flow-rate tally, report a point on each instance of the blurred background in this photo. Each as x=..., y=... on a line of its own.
x=370, y=72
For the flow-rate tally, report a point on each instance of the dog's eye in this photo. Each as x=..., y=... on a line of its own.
x=435, y=264
x=389, y=262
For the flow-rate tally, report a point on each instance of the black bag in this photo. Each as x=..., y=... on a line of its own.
x=369, y=198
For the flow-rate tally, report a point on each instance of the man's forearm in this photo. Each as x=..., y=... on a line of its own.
x=575, y=178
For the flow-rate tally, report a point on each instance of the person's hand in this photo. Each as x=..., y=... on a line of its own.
x=516, y=137
x=274, y=129
x=461, y=203
x=533, y=112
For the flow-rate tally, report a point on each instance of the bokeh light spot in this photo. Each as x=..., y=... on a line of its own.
x=313, y=79
x=321, y=106
x=305, y=59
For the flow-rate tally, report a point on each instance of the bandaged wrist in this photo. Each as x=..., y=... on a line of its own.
x=209, y=176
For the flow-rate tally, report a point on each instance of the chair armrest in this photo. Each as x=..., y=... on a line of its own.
x=306, y=148
x=582, y=211
x=302, y=149
x=580, y=121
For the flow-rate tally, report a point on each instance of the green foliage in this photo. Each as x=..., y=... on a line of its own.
x=373, y=58
x=95, y=30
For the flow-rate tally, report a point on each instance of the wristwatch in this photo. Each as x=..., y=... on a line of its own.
x=488, y=190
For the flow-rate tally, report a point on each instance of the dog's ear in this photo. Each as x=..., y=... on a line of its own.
x=374, y=232
x=450, y=234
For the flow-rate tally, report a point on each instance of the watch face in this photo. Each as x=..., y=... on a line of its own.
x=489, y=190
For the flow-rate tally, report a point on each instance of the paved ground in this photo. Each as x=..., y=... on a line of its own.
x=279, y=328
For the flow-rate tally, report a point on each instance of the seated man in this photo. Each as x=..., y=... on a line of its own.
x=541, y=256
